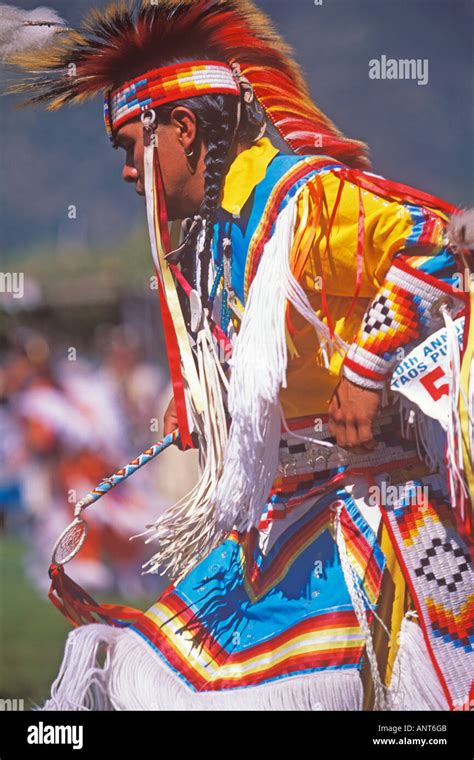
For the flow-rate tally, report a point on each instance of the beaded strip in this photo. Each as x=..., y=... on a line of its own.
x=165, y=85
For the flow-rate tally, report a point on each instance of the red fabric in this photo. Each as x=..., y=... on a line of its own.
x=80, y=608
x=167, y=74
x=181, y=279
x=360, y=255
x=383, y=186
x=328, y=238
x=172, y=346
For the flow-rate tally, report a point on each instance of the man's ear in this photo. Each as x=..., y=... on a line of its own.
x=184, y=122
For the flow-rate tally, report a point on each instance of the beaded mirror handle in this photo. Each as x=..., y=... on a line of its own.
x=72, y=538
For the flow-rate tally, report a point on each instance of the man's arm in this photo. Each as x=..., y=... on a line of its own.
x=414, y=272
x=403, y=313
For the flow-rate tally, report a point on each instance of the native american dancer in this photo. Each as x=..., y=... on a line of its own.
x=293, y=303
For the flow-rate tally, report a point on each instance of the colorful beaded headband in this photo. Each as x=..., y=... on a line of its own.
x=165, y=85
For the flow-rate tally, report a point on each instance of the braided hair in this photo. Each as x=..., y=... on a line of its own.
x=219, y=137
x=218, y=128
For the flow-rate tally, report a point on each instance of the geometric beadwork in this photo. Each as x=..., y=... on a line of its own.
x=380, y=316
x=436, y=562
x=398, y=318
x=434, y=567
x=391, y=321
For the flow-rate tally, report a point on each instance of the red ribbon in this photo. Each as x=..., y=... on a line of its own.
x=218, y=333
x=80, y=608
x=324, y=302
x=171, y=340
x=382, y=186
x=389, y=188
x=360, y=255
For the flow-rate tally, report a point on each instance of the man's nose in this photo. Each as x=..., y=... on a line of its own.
x=129, y=174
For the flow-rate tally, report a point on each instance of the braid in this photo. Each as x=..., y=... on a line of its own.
x=216, y=117
x=219, y=137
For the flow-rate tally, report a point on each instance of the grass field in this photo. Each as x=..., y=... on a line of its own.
x=32, y=630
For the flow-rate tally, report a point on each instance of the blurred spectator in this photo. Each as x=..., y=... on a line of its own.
x=67, y=424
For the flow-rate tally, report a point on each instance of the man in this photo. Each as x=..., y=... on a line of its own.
x=300, y=284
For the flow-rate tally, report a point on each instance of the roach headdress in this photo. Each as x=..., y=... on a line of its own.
x=129, y=39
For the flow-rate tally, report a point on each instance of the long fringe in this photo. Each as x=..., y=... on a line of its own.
x=440, y=444
x=359, y=604
x=135, y=678
x=454, y=453
x=429, y=436
x=414, y=684
x=82, y=682
x=259, y=366
x=188, y=531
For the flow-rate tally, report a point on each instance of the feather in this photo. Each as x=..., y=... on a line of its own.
x=129, y=37
x=23, y=30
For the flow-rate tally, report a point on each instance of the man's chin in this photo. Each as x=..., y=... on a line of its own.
x=173, y=215
x=176, y=213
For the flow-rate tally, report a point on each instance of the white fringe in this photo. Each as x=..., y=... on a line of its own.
x=440, y=446
x=22, y=30
x=359, y=605
x=135, y=678
x=454, y=454
x=82, y=682
x=414, y=684
x=430, y=438
x=259, y=367
x=188, y=531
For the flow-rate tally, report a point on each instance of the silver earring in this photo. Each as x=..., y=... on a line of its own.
x=190, y=153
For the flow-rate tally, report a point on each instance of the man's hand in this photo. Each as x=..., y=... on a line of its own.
x=352, y=411
x=170, y=421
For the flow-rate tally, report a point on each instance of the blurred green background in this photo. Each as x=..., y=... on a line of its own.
x=32, y=631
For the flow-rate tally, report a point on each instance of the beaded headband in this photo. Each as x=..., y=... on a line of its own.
x=165, y=85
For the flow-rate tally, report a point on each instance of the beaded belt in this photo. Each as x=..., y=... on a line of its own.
x=298, y=457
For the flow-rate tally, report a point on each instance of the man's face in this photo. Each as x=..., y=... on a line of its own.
x=130, y=138
x=183, y=177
